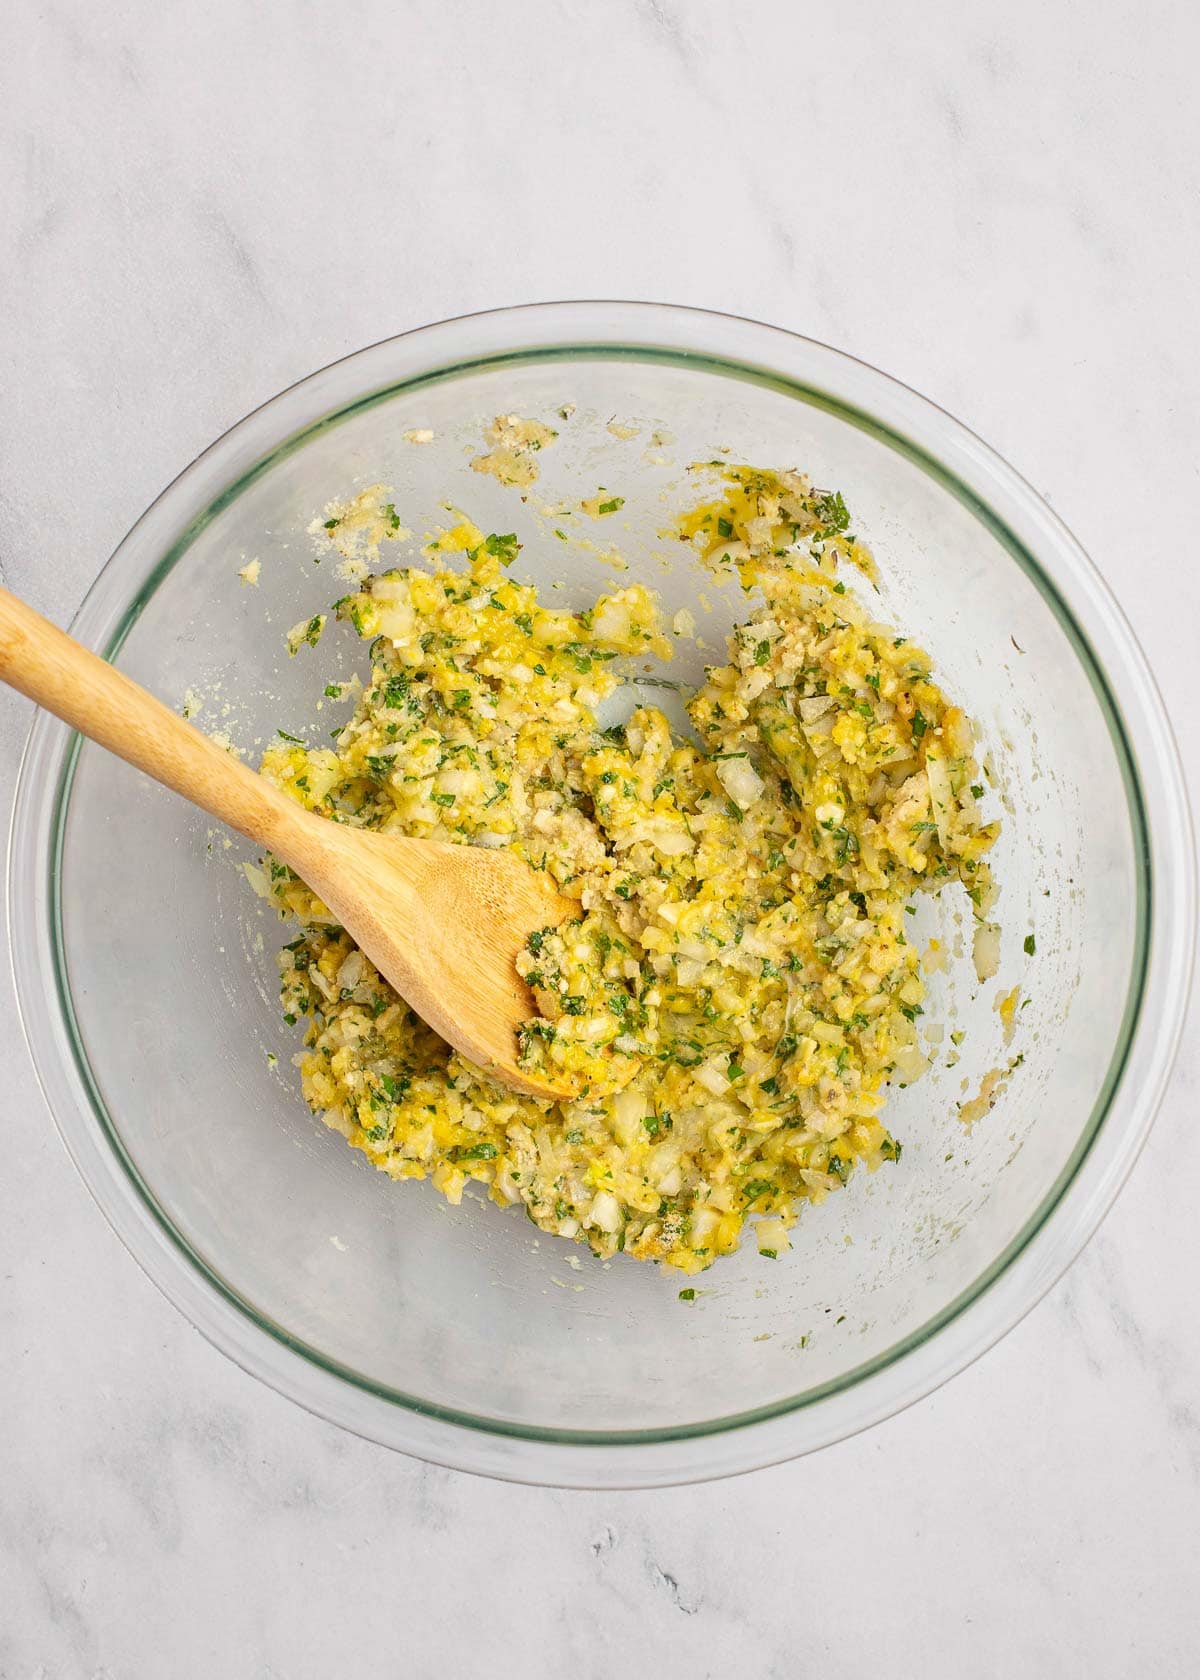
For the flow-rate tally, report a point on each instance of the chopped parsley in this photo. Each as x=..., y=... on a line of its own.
x=505, y=548
x=477, y=1152
x=833, y=513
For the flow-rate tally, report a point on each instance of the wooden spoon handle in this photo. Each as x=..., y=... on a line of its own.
x=101, y=702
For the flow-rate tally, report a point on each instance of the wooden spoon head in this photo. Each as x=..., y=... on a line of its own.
x=444, y=925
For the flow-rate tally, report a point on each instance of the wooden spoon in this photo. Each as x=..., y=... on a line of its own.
x=442, y=923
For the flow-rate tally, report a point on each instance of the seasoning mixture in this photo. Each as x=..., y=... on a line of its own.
x=737, y=991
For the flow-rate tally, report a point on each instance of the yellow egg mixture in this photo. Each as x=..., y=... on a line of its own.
x=737, y=991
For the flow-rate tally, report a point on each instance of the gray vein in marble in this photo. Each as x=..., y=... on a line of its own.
x=604, y=1542
x=663, y=1581
x=670, y=29
x=238, y=254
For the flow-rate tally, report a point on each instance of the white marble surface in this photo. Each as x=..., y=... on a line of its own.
x=200, y=204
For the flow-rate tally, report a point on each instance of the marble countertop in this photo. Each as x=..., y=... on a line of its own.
x=202, y=204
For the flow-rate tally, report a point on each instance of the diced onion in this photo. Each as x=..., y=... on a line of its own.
x=606, y=1212
x=772, y=1234
x=627, y=1110
x=710, y=1076
x=740, y=780
x=986, y=951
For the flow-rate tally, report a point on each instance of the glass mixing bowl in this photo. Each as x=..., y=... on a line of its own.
x=146, y=968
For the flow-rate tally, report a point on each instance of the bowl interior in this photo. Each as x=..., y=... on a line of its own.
x=170, y=960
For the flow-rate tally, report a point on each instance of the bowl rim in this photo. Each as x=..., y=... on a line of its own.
x=1104, y=1152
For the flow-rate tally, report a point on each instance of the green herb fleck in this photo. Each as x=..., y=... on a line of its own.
x=833, y=513
x=477, y=1152
x=505, y=548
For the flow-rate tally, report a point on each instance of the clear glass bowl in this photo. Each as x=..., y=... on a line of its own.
x=146, y=970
